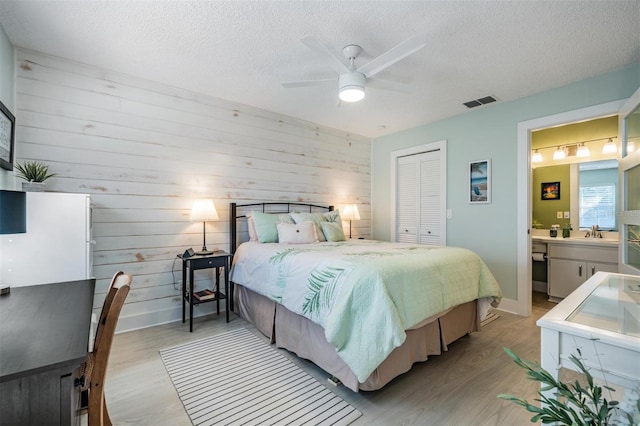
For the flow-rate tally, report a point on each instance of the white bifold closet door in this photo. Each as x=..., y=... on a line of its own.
x=419, y=199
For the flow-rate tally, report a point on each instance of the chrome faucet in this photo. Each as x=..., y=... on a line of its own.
x=595, y=232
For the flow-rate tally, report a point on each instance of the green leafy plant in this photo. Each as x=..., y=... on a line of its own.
x=33, y=171
x=570, y=403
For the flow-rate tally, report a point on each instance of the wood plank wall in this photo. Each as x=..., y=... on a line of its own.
x=145, y=151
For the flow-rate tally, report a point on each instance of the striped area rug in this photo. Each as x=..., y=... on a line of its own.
x=235, y=378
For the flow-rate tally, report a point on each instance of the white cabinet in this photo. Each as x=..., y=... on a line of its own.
x=57, y=244
x=571, y=265
x=599, y=324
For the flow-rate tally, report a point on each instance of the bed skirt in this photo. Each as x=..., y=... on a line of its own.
x=306, y=339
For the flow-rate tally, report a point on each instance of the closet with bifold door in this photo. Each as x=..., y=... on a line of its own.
x=420, y=198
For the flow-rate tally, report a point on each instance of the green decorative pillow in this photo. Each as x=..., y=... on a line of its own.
x=333, y=216
x=333, y=231
x=266, y=225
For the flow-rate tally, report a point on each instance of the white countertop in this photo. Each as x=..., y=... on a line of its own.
x=575, y=240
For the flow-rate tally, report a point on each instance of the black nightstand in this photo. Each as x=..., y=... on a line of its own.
x=216, y=260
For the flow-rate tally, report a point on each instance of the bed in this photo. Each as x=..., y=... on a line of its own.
x=364, y=311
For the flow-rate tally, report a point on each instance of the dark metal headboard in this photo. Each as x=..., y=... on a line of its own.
x=273, y=207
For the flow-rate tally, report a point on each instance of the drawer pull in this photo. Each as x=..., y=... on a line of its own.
x=593, y=270
x=579, y=270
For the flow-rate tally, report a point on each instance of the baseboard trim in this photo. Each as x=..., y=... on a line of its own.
x=508, y=305
x=151, y=319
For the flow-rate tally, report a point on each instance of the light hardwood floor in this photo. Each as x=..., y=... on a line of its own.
x=458, y=387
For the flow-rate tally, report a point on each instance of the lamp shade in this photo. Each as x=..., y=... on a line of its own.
x=203, y=210
x=559, y=154
x=610, y=147
x=13, y=212
x=583, y=151
x=536, y=157
x=350, y=212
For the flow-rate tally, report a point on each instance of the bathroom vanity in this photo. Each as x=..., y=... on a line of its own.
x=571, y=261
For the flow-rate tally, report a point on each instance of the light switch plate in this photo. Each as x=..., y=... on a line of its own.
x=558, y=215
x=566, y=215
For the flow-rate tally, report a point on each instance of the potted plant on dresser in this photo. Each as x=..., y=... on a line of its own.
x=35, y=174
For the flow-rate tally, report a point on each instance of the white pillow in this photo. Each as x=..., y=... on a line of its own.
x=314, y=218
x=297, y=233
x=251, y=227
x=317, y=219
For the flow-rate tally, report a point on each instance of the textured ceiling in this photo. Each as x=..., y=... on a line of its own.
x=243, y=50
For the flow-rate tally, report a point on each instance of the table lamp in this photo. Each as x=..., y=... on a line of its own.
x=203, y=211
x=350, y=212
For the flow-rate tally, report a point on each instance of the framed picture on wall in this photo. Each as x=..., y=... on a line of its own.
x=480, y=182
x=7, y=137
x=550, y=191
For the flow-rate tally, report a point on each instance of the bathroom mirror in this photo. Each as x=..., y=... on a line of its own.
x=588, y=195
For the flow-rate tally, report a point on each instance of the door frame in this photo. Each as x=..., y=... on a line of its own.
x=522, y=304
x=629, y=161
x=419, y=149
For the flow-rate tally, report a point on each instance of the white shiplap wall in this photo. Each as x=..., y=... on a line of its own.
x=144, y=151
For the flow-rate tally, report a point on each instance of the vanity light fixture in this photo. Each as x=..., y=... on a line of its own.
x=583, y=151
x=559, y=154
x=610, y=147
x=536, y=157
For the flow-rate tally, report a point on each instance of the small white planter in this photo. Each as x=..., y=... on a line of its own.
x=33, y=186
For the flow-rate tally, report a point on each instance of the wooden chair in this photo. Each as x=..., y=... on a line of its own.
x=105, y=309
x=95, y=366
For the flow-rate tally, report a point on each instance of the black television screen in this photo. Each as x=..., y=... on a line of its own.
x=7, y=137
x=13, y=212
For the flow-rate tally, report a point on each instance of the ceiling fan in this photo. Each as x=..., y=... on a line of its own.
x=352, y=79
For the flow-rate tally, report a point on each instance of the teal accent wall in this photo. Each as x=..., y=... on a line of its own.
x=7, y=93
x=544, y=211
x=488, y=132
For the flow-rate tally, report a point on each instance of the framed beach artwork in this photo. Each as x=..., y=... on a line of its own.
x=550, y=191
x=480, y=182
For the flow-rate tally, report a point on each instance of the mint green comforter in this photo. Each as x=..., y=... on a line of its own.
x=364, y=293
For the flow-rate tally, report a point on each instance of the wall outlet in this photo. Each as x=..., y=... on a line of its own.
x=566, y=215
x=558, y=215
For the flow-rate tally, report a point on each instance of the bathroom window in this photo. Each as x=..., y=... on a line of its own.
x=598, y=195
x=598, y=206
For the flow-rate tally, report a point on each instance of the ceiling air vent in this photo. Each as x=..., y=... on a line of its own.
x=481, y=101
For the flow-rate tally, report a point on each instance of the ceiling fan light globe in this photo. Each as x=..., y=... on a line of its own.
x=351, y=93
x=351, y=86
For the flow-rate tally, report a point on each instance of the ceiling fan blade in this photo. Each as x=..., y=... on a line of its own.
x=395, y=86
x=306, y=83
x=335, y=61
x=391, y=56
